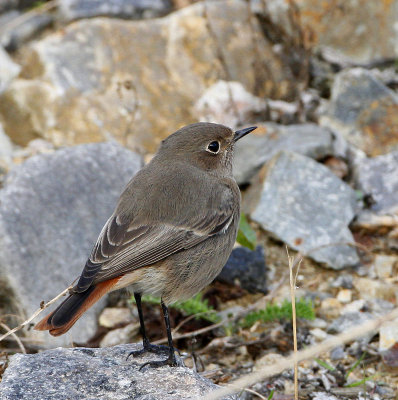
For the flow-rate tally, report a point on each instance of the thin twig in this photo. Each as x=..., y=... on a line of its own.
x=36, y=313
x=189, y=318
x=310, y=352
x=17, y=339
x=255, y=393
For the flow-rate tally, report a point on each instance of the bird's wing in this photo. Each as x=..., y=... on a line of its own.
x=122, y=248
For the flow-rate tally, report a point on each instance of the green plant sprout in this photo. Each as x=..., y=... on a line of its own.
x=246, y=235
x=274, y=312
x=194, y=306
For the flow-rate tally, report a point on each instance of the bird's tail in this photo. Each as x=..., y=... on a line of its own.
x=71, y=309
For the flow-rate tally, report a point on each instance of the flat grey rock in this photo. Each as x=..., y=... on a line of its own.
x=362, y=108
x=84, y=373
x=309, y=208
x=252, y=153
x=52, y=209
x=77, y=9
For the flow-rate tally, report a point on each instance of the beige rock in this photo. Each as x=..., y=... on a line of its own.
x=355, y=306
x=384, y=265
x=120, y=336
x=388, y=335
x=330, y=308
x=27, y=109
x=344, y=296
x=370, y=289
x=137, y=81
x=318, y=334
x=267, y=360
x=112, y=316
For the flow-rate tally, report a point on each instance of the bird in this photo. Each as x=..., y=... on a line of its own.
x=171, y=233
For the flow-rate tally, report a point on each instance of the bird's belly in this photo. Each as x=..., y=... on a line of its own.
x=189, y=273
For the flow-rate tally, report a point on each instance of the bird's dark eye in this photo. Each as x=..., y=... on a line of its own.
x=213, y=147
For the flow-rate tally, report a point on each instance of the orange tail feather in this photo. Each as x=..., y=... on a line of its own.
x=71, y=309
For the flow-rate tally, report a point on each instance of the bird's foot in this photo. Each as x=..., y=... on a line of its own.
x=149, y=348
x=171, y=360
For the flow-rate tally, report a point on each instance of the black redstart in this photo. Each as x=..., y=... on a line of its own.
x=171, y=233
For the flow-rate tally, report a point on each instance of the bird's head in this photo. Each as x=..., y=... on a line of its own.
x=205, y=145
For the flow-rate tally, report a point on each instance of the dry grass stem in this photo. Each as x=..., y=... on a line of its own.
x=255, y=393
x=302, y=355
x=17, y=339
x=36, y=313
x=292, y=262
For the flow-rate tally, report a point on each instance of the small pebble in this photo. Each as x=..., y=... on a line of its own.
x=325, y=382
x=355, y=306
x=318, y=334
x=343, y=281
x=384, y=265
x=330, y=308
x=111, y=316
x=337, y=353
x=317, y=323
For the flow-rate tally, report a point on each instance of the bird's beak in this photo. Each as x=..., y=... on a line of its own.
x=243, y=132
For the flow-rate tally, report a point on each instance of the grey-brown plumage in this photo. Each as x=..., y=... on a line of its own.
x=172, y=231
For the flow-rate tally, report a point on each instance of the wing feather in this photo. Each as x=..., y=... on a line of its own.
x=124, y=247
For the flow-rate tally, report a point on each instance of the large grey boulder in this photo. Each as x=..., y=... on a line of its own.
x=83, y=373
x=52, y=209
x=138, y=81
x=304, y=204
x=268, y=139
x=364, y=110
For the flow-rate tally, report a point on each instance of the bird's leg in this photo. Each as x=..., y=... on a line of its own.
x=171, y=359
x=148, y=347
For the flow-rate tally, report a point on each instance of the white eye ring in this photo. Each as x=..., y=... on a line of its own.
x=213, y=147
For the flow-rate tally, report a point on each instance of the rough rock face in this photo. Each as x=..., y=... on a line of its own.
x=269, y=138
x=83, y=373
x=365, y=111
x=103, y=78
x=352, y=31
x=309, y=208
x=52, y=209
